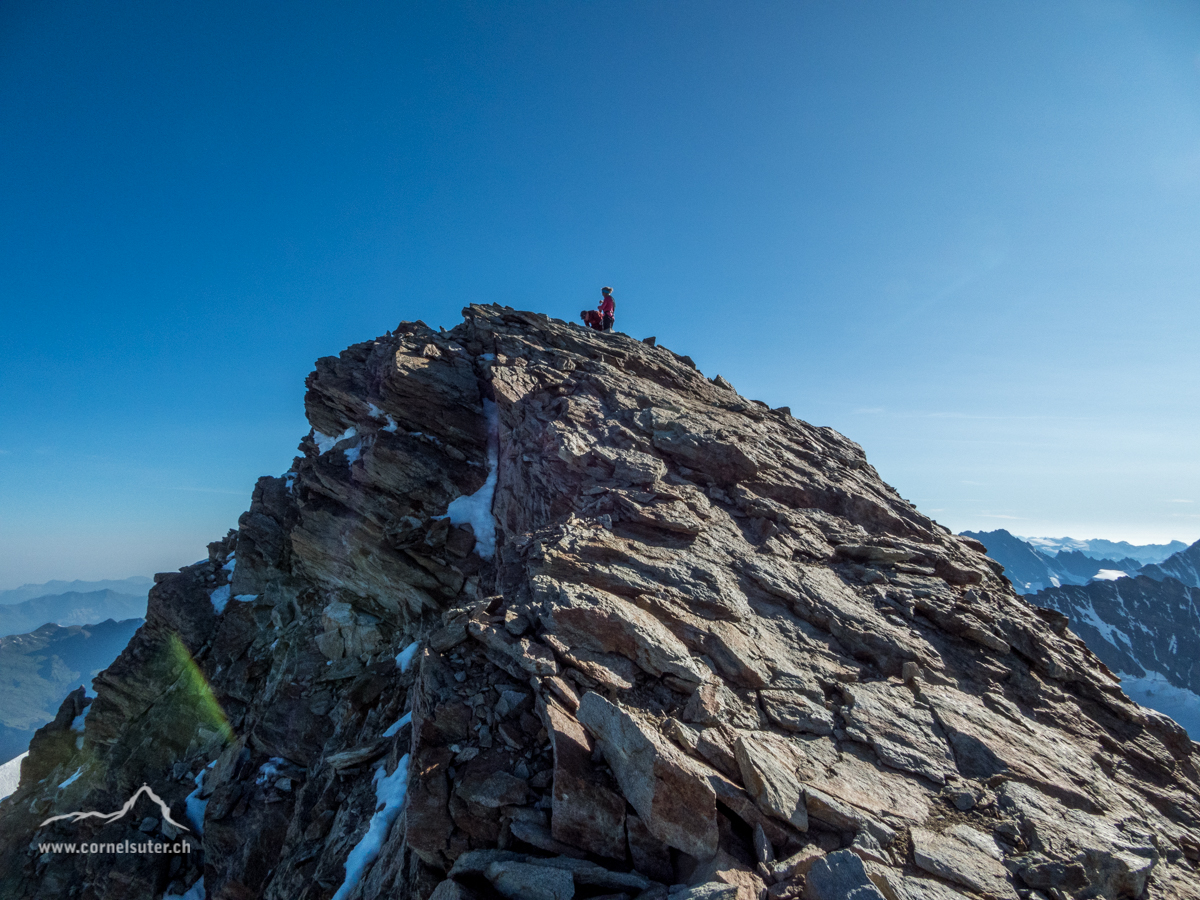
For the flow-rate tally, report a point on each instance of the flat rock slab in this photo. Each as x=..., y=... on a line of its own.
x=668, y=790
x=792, y=711
x=522, y=881
x=886, y=717
x=769, y=773
x=950, y=857
x=493, y=791
x=713, y=890
x=591, y=619
x=1094, y=853
x=584, y=813
x=725, y=869
x=855, y=779
x=897, y=886
x=840, y=876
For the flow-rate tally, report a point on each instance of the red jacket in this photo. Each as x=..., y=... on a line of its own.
x=607, y=306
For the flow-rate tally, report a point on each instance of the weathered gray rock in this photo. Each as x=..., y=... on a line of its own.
x=769, y=773
x=796, y=865
x=585, y=813
x=523, y=881
x=839, y=876
x=588, y=619
x=724, y=869
x=1083, y=853
x=494, y=790
x=713, y=890
x=796, y=712
x=668, y=790
x=649, y=855
x=896, y=886
x=904, y=734
x=960, y=860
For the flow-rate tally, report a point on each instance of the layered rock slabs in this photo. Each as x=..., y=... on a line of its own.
x=544, y=613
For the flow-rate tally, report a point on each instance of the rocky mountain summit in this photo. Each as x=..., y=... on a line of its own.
x=543, y=613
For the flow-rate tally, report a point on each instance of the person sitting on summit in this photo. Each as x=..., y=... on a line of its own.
x=608, y=309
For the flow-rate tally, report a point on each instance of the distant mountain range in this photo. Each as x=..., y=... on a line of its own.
x=139, y=585
x=72, y=608
x=1031, y=567
x=1142, y=621
x=1101, y=549
x=49, y=646
x=39, y=668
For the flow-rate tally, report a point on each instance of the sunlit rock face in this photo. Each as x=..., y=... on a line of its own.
x=544, y=613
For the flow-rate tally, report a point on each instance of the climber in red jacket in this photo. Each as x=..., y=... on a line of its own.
x=608, y=309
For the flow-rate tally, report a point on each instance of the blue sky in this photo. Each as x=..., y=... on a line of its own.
x=965, y=234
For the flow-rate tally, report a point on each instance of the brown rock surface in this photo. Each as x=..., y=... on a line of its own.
x=702, y=636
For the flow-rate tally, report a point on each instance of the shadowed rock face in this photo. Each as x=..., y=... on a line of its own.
x=711, y=651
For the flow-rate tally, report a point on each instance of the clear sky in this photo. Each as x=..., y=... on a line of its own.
x=965, y=234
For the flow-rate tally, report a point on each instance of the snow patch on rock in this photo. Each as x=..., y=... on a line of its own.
x=476, y=509
x=10, y=775
x=390, y=791
x=405, y=657
x=325, y=443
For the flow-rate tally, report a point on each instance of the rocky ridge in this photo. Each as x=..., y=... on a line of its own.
x=702, y=651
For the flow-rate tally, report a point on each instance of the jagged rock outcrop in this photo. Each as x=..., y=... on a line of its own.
x=701, y=651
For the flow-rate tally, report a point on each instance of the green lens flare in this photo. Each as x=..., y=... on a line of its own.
x=198, y=696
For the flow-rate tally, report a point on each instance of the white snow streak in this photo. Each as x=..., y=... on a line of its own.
x=377, y=413
x=195, y=806
x=220, y=597
x=389, y=795
x=477, y=508
x=268, y=769
x=70, y=781
x=325, y=443
x=10, y=775
x=395, y=727
x=1089, y=615
x=405, y=657
x=1109, y=575
x=77, y=722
